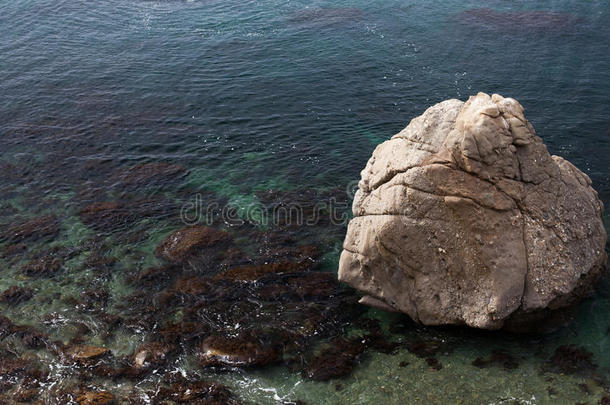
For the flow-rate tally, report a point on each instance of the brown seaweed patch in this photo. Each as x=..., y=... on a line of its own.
x=427, y=350
x=181, y=332
x=497, y=357
x=12, y=250
x=515, y=20
x=184, y=244
x=153, y=354
x=11, y=366
x=93, y=299
x=96, y=398
x=337, y=359
x=257, y=271
x=302, y=254
x=26, y=395
x=325, y=16
x=196, y=392
x=150, y=173
x=433, y=363
x=154, y=276
x=98, y=261
x=7, y=327
x=185, y=289
x=106, y=216
x=314, y=284
x=29, y=336
x=112, y=321
x=16, y=295
x=46, y=266
x=31, y=229
x=21, y=376
x=374, y=338
x=572, y=359
x=308, y=304
x=14, y=174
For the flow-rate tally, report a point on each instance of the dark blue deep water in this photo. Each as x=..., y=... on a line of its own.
x=148, y=106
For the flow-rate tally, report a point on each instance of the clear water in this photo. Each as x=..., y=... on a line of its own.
x=287, y=96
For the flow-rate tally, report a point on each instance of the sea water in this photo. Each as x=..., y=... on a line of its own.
x=292, y=97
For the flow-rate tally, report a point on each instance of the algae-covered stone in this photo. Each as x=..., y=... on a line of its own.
x=186, y=243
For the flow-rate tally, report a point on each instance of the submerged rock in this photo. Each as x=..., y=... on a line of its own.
x=99, y=262
x=257, y=271
x=11, y=366
x=152, y=354
x=45, y=266
x=303, y=254
x=244, y=350
x=106, y=216
x=572, y=359
x=499, y=357
x=112, y=216
x=96, y=398
x=336, y=360
x=29, y=336
x=9, y=251
x=22, y=374
x=154, y=276
x=84, y=353
x=187, y=243
x=32, y=229
x=93, y=299
x=152, y=173
x=464, y=218
x=197, y=392
x=26, y=395
x=15, y=295
x=181, y=332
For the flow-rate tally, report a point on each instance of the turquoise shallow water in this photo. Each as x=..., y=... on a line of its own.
x=287, y=96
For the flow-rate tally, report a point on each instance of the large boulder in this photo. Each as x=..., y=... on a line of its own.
x=463, y=217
